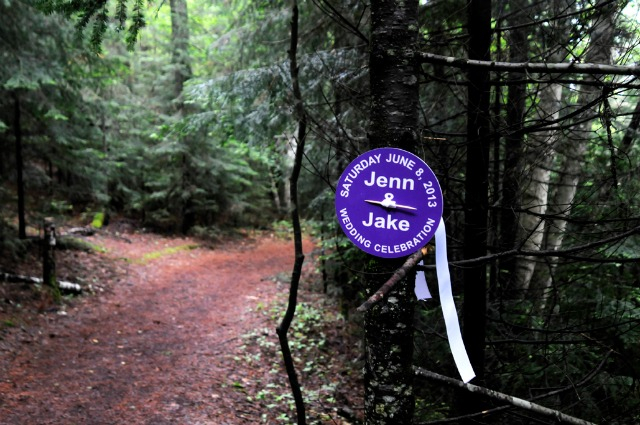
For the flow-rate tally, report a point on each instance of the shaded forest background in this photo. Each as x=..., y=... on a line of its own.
x=193, y=131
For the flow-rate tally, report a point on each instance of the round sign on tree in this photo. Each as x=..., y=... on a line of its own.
x=389, y=202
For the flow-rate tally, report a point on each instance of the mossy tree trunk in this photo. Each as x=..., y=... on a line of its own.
x=49, y=278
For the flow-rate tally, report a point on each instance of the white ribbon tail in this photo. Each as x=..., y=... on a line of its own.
x=421, y=289
x=449, y=308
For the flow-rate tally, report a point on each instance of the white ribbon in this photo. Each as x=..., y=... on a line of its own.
x=448, y=306
x=421, y=289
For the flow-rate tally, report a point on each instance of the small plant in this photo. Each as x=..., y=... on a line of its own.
x=282, y=228
x=317, y=370
x=98, y=220
x=150, y=256
x=60, y=207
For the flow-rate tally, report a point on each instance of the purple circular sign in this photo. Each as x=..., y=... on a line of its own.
x=389, y=202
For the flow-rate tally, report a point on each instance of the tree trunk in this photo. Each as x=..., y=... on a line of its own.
x=180, y=44
x=17, y=133
x=518, y=52
x=181, y=62
x=476, y=185
x=574, y=148
x=538, y=160
x=632, y=130
x=389, y=397
x=49, y=278
x=535, y=193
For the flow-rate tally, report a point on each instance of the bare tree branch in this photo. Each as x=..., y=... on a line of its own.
x=285, y=324
x=397, y=276
x=533, y=67
x=546, y=253
x=515, y=401
x=558, y=391
x=328, y=9
x=415, y=258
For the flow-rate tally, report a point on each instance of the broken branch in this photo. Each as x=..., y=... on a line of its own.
x=398, y=275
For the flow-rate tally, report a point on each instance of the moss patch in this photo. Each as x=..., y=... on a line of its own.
x=150, y=256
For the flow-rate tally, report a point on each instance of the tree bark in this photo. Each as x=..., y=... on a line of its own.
x=181, y=62
x=476, y=186
x=17, y=133
x=538, y=159
x=180, y=48
x=632, y=130
x=518, y=52
x=49, y=278
x=538, y=155
x=574, y=148
x=389, y=397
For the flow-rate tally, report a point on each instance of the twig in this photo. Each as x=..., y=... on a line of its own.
x=415, y=258
x=285, y=324
x=395, y=278
x=532, y=67
x=499, y=409
x=515, y=401
x=547, y=253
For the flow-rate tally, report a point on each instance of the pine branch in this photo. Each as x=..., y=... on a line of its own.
x=121, y=14
x=138, y=22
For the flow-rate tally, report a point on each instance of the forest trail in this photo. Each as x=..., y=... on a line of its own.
x=159, y=347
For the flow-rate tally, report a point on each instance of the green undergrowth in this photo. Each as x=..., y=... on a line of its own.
x=78, y=244
x=150, y=256
x=323, y=352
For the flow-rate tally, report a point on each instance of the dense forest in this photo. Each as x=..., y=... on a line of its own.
x=186, y=117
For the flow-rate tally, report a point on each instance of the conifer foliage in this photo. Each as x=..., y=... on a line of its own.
x=180, y=115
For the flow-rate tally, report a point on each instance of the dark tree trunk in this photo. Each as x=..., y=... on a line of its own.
x=3, y=148
x=182, y=72
x=17, y=132
x=476, y=186
x=632, y=131
x=389, y=397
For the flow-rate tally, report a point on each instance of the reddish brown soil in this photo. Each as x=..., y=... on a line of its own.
x=183, y=336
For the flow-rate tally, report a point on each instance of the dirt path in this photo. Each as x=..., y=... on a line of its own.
x=159, y=347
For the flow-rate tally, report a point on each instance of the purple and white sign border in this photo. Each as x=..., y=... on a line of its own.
x=389, y=202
